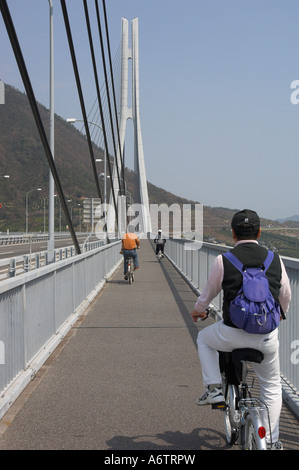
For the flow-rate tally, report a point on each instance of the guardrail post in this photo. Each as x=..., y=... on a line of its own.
x=12, y=268
x=26, y=264
x=37, y=261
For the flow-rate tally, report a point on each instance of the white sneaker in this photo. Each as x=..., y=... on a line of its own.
x=275, y=446
x=210, y=397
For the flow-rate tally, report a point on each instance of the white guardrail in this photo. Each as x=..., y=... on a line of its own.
x=18, y=238
x=39, y=307
x=195, y=265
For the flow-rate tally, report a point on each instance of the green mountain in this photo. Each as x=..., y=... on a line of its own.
x=22, y=157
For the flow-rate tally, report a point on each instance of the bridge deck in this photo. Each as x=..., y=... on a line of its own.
x=126, y=377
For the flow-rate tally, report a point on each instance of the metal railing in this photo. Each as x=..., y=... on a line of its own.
x=195, y=264
x=10, y=267
x=39, y=307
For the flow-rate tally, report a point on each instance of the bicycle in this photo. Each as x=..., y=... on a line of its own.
x=244, y=416
x=159, y=255
x=131, y=269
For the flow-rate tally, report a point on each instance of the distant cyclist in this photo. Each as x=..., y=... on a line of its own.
x=130, y=243
x=160, y=242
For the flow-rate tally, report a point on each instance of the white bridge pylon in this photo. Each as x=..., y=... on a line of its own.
x=141, y=200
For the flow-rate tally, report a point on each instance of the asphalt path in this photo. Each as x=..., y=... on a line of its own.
x=126, y=377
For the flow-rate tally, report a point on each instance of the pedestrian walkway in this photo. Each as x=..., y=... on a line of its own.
x=126, y=377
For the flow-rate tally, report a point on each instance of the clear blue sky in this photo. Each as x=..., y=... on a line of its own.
x=217, y=121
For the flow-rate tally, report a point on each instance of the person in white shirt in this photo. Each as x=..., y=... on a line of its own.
x=160, y=241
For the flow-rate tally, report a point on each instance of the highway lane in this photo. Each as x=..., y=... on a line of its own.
x=13, y=250
x=20, y=250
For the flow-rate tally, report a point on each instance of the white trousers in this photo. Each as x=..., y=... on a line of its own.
x=219, y=337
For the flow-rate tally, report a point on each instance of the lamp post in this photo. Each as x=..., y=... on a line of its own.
x=28, y=192
x=76, y=205
x=44, y=231
x=51, y=179
x=104, y=177
x=72, y=121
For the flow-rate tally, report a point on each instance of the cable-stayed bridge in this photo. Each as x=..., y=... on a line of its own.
x=87, y=361
x=108, y=111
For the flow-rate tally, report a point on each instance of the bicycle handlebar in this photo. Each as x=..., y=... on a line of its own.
x=209, y=311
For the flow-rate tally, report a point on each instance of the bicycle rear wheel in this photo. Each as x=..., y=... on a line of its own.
x=254, y=434
x=231, y=414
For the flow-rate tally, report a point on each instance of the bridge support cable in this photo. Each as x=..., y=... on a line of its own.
x=107, y=87
x=114, y=97
x=99, y=100
x=31, y=97
x=80, y=93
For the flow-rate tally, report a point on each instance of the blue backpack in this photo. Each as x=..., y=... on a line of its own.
x=254, y=308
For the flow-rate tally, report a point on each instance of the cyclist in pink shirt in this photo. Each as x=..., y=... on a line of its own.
x=225, y=336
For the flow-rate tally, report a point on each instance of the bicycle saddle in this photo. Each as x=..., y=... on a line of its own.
x=230, y=362
x=247, y=354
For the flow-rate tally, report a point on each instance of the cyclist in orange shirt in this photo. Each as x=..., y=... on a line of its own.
x=130, y=244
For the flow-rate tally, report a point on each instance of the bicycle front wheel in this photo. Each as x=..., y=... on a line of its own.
x=254, y=434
